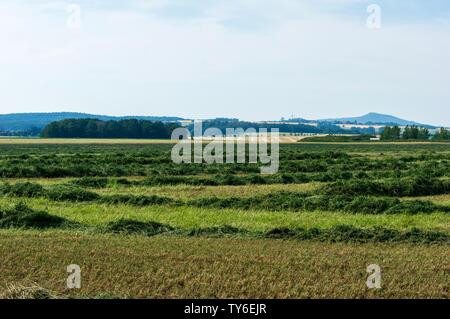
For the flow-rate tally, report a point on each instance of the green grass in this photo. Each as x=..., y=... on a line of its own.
x=185, y=192
x=190, y=217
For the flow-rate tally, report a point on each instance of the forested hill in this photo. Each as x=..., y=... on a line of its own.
x=376, y=118
x=27, y=121
x=93, y=128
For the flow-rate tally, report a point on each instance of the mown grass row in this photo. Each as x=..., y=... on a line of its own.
x=258, y=179
x=155, y=160
x=23, y=217
x=31, y=149
x=411, y=186
x=288, y=201
x=276, y=201
x=296, y=171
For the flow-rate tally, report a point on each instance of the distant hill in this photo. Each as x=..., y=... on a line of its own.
x=30, y=123
x=375, y=118
x=27, y=121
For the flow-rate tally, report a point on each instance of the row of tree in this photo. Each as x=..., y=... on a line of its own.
x=93, y=128
x=413, y=133
x=442, y=135
x=32, y=132
x=294, y=128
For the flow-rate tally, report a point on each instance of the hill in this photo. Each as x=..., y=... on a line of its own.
x=27, y=121
x=375, y=118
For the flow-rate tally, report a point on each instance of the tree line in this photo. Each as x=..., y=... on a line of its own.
x=93, y=128
x=34, y=131
x=294, y=128
x=413, y=133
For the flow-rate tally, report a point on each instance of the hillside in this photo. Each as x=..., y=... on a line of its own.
x=26, y=121
x=375, y=118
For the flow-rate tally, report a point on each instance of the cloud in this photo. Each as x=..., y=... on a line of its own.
x=223, y=58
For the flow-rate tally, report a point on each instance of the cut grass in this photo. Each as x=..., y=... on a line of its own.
x=23, y=217
x=272, y=201
x=94, y=214
x=178, y=191
x=185, y=192
x=164, y=251
x=161, y=267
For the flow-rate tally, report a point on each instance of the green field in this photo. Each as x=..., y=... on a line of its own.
x=141, y=226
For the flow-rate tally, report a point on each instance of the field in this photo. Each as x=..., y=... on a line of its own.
x=139, y=225
x=120, y=141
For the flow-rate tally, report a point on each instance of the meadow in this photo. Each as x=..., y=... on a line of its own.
x=141, y=226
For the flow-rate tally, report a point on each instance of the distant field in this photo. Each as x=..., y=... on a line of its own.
x=141, y=226
x=18, y=140
x=4, y=140
x=284, y=139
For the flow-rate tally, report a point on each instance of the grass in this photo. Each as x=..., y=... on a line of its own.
x=192, y=192
x=180, y=251
x=94, y=214
x=161, y=267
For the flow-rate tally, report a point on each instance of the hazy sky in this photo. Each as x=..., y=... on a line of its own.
x=252, y=59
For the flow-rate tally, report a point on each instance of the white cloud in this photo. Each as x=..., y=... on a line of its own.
x=250, y=59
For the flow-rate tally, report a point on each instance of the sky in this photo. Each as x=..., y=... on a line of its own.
x=247, y=59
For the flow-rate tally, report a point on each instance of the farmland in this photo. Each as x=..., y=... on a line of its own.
x=141, y=226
